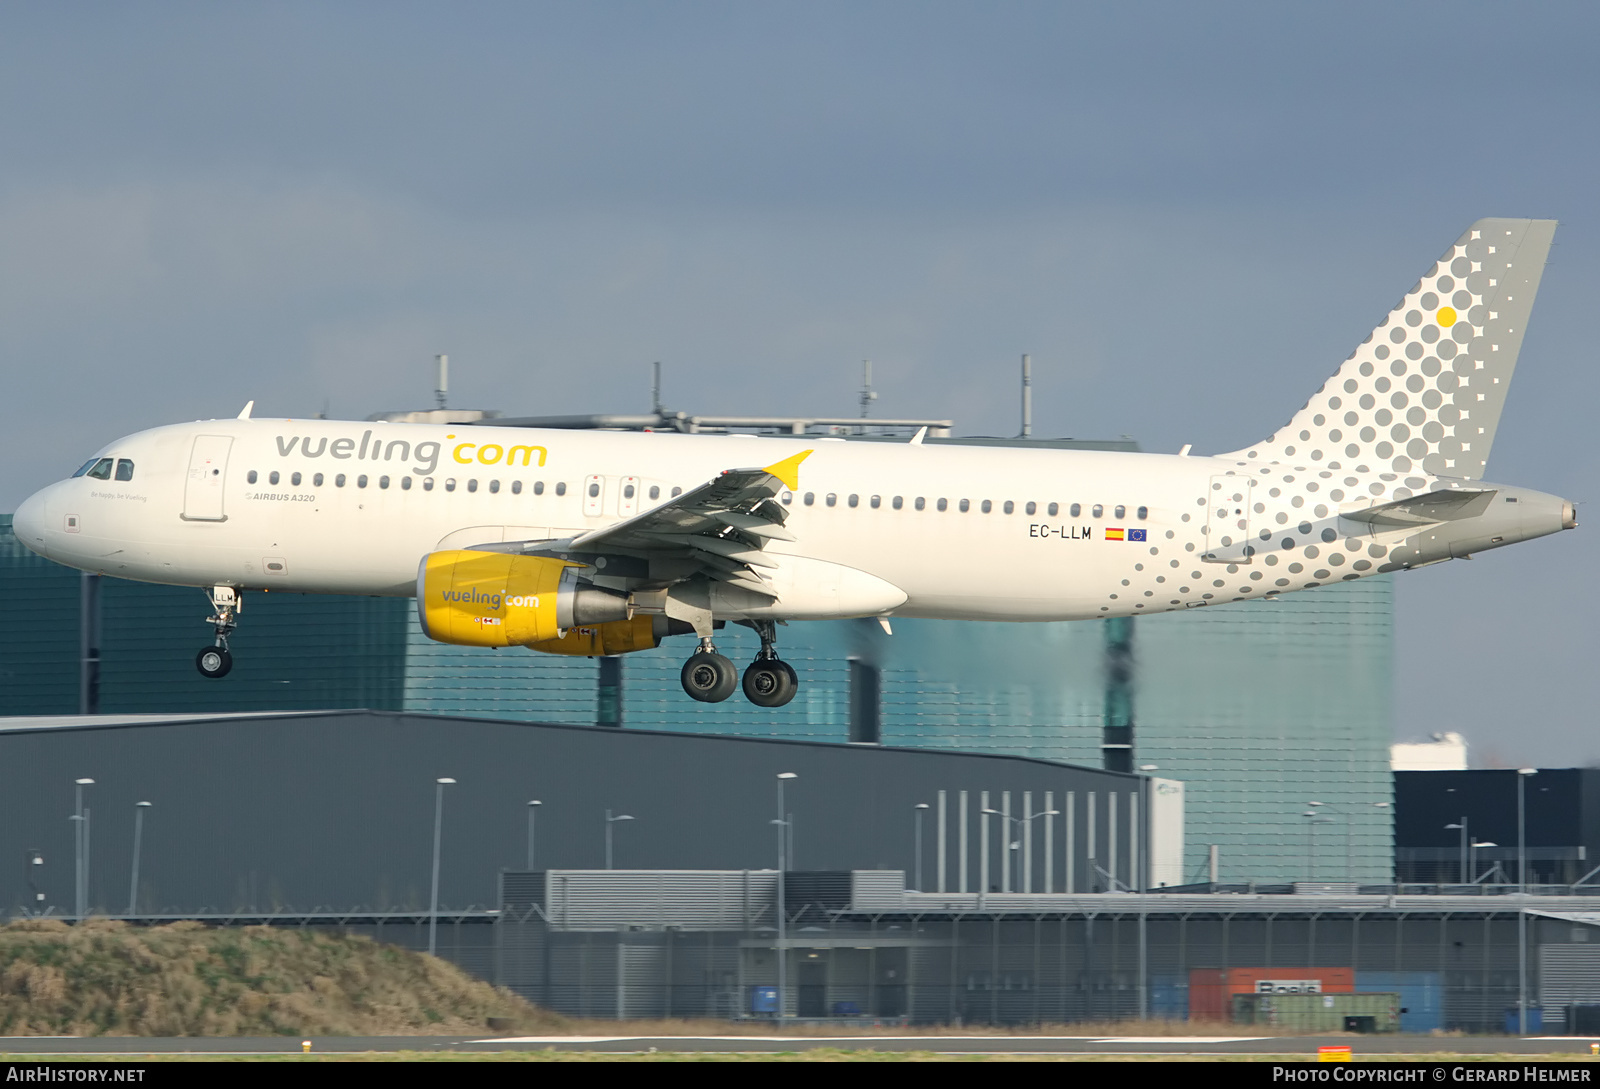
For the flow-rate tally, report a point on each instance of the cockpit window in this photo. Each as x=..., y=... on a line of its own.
x=124, y=469
x=100, y=470
x=86, y=467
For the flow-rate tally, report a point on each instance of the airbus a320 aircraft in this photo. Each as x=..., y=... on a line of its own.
x=600, y=543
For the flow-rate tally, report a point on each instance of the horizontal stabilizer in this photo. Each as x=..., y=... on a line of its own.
x=1446, y=505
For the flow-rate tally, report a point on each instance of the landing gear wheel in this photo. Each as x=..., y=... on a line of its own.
x=709, y=677
x=770, y=682
x=213, y=662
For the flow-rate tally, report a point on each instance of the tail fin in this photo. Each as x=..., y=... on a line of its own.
x=1424, y=391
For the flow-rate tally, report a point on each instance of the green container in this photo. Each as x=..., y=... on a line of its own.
x=1319, y=1013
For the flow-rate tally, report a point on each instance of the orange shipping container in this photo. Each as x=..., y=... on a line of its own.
x=1211, y=990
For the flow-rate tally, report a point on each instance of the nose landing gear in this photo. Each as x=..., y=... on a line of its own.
x=215, y=661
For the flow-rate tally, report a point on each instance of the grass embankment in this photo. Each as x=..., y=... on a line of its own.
x=107, y=978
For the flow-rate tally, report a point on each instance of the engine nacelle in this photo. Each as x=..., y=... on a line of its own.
x=498, y=599
x=617, y=637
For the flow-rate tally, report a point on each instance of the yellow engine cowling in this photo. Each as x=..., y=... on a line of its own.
x=617, y=637
x=489, y=599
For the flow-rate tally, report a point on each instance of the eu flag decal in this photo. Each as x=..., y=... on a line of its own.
x=1135, y=534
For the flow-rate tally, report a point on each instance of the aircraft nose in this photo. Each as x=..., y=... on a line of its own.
x=29, y=523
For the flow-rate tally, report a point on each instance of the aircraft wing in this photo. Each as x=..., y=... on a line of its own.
x=720, y=528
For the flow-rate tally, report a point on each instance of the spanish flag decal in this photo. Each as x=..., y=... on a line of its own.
x=1114, y=533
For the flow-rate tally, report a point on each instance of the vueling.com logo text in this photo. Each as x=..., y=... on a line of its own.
x=492, y=601
x=426, y=454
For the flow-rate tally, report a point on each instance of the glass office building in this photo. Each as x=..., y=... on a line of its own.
x=1262, y=708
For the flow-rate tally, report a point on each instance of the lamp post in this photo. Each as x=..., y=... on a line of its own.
x=1462, y=828
x=919, y=809
x=1523, y=775
x=1472, y=846
x=610, y=820
x=138, y=836
x=533, y=810
x=783, y=862
x=1013, y=848
x=81, y=827
x=438, y=830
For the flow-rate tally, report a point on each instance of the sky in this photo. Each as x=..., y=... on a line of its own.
x=1188, y=214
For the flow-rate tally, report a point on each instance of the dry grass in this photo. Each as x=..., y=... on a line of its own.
x=865, y=1027
x=107, y=978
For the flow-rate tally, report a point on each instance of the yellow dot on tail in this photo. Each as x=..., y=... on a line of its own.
x=1447, y=316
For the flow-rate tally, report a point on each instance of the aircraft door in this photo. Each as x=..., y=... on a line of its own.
x=594, y=496
x=208, y=475
x=628, y=498
x=1228, y=520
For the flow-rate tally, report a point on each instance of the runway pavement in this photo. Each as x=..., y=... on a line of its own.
x=1362, y=1046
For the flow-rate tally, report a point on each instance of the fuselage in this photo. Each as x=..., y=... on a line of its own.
x=959, y=532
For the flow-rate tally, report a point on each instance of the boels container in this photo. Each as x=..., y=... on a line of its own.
x=1211, y=990
x=1314, y=1013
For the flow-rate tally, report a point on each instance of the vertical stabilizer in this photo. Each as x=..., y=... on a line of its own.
x=1424, y=391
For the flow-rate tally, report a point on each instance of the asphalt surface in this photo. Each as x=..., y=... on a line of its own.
x=1362, y=1046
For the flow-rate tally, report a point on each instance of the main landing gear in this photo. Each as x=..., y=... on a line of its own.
x=768, y=682
x=215, y=661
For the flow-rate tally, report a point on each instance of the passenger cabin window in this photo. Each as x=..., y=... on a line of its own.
x=516, y=487
x=1031, y=508
x=316, y=480
x=561, y=488
x=383, y=482
x=899, y=501
x=855, y=500
x=944, y=504
x=295, y=480
x=124, y=469
x=361, y=481
x=249, y=478
x=655, y=493
x=628, y=491
x=877, y=501
x=449, y=483
x=1121, y=512
x=538, y=487
x=832, y=499
x=1097, y=510
x=272, y=477
x=338, y=481
x=427, y=483
x=811, y=497
x=405, y=483
x=472, y=485
x=1053, y=509
x=676, y=492
x=1076, y=510
x=966, y=505
x=785, y=498
x=594, y=489
x=986, y=507
x=1144, y=512
x=494, y=486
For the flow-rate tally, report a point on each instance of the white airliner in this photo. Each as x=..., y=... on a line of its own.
x=604, y=542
